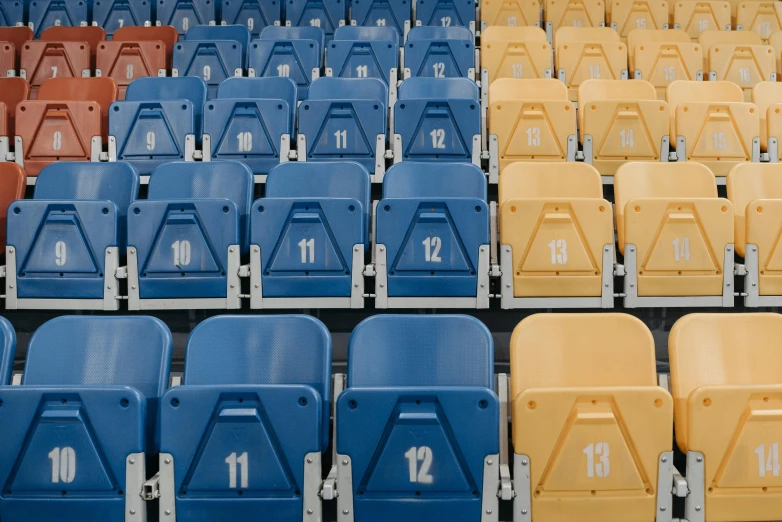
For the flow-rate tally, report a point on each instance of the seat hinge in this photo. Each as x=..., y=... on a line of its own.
x=389, y=154
x=495, y=271
x=506, y=485
x=2, y=271
x=619, y=270
x=329, y=489
x=198, y=155
x=293, y=155
x=369, y=271
x=121, y=272
x=151, y=488
x=679, y=487
x=244, y=271
x=739, y=270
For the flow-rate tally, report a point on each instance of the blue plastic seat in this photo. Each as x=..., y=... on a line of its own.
x=11, y=13
x=253, y=14
x=7, y=350
x=185, y=14
x=185, y=239
x=296, y=33
x=364, y=52
x=48, y=13
x=445, y=13
x=419, y=420
x=211, y=60
x=344, y=119
x=67, y=240
x=439, y=52
x=438, y=119
x=289, y=52
x=383, y=13
x=326, y=14
x=159, y=121
x=76, y=431
x=237, y=33
x=255, y=396
x=312, y=229
x=253, y=123
x=113, y=14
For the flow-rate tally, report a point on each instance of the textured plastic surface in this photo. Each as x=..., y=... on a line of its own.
x=383, y=13
x=183, y=88
x=166, y=34
x=427, y=32
x=409, y=179
x=278, y=88
x=126, y=61
x=184, y=14
x=363, y=58
x=237, y=33
x=13, y=91
x=7, y=350
x=348, y=89
x=428, y=88
x=295, y=58
x=433, y=52
x=251, y=13
x=212, y=60
x=114, y=14
x=11, y=13
x=458, y=13
x=308, y=32
x=379, y=34
x=92, y=34
x=48, y=13
x=13, y=183
x=328, y=13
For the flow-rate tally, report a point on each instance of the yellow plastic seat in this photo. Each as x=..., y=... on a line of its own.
x=590, y=425
x=662, y=57
x=676, y=235
x=529, y=120
x=713, y=124
x=738, y=57
x=768, y=98
x=696, y=16
x=589, y=54
x=755, y=189
x=515, y=52
x=726, y=377
x=556, y=236
x=620, y=121
x=511, y=13
x=629, y=15
x=573, y=13
x=763, y=17
x=775, y=41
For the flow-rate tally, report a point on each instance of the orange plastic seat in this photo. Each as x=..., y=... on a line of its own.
x=511, y=13
x=573, y=13
x=102, y=91
x=768, y=98
x=7, y=59
x=589, y=53
x=13, y=183
x=661, y=57
x=124, y=61
x=17, y=36
x=161, y=33
x=42, y=60
x=12, y=91
x=696, y=16
x=629, y=15
x=92, y=34
x=515, y=52
x=764, y=17
x=726, y=379
x=775, y=41
x=738, y=57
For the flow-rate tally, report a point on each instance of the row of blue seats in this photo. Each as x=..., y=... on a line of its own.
x=306, y=239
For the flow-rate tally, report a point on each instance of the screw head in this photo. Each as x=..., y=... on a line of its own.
x=524, y=462
x=108, y=287
x=523, y=511
x=132, y=287
x=11, y=250
x=664, y=459
x=697, y=508
x=231, y=250
x=132, y=511
x=345, y=511
x=355, y=250
x=507, y=286
x=256, y=250
x=345, y=462
x=632, y=285
x=309, y=511
x=131, y=461
x=382, y=249
x=382, y=285
x=257, y=286
x=662, y=508
x=108, y=251
x=309, y=460
x=488, y=511
x=168, y=512
x=490, y=462
x=167, y=461
x=699, y=459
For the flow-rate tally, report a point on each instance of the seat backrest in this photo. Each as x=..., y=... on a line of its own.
x=501, y=33
x=714, y=37
x=101, y=351
x=421, y=351
x=639, y=36
x=237, y=33
x=536, y=89
x=275, y=32
x=276, y=88
x=597, y=90
x=16, y=35
x=151, y=88
x=164, y=33
x=7, y=350
x=117, y=182
x=339, y=179
x=91, y=34
x=329, y=88
x=660, y=180
x=409, y=179
x=535, y=180
x=566, y=35
x=438, y=89
x=380, y=34
x=13, y=91
x=439, y=33
x=558, y=351
x=13, y=183
x=682, y=91
x=102, y=90
x=747, y=182
x=764, y=95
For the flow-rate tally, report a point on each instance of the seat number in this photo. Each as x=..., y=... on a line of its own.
x=315, y=22
x=627, y=138
x=445, y=21
x=703, y=25
x=744, y=75
x=307, y=246
x=284, y=70
x=129, y=71
x=342, y=139
x=121, y=22
x=250, y=24
x=60, y=253
x=558, y=251
x=207, y=73
x=768, y=463
x=681, y=249
x=63, y=465
x=720, y=140
x=362, y=71
x=640, y=23
x=380, y=22
x=181, y=253
x=517, y=70
x=432, y=246
x=185, y=23
x=241, y=462
x=57, y=140
x=419, y=474
x=512, y=21
x=245, y=140
x=439, y=69
x=578, y=23
x=598, y=464
x=150, y=140
x=438, y=138
x=54, y=71
x=533, y=137
x=670, y=73
x=765, y=29
x=594, y=71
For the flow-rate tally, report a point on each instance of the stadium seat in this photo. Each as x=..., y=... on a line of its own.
x=75, y=433
x=529, y=120
x=696, y=16
x=93, y=35
x=326, y=14
x=43, y=14
x=43, y=60
x=738, y=57
x=185, y=14
x=261, y=404
x=7, y=350
x=383, y=13
x=664, y=56
x=316, y=34
x=438, y=119
x=251, y=14
x=676, y=235
x=308, y=236
x=159, y=121
x=556, y=237
x=238, y=33
x=592, y=431
x=767, y=96
x=64, y=245
x=7, y=60
x=112, y=15
x=510, y=13
x=440, y=52
x=186, y=238
x=211, y=53
x=12, y=91
x=420, y=431
x=364, y=52
x=445, y=13
x=16, y=36
x=345, y=119
x=432, y=237
x=124, y=61
x=11, y=13
x=713, y=125
x=622, y=121
x=13, y=183
x=629, y=15
x=589, y=53
x=255, y=130
x=101, y=90
x=727, y=413
x=514, y=52
x=166, y=34
x=764, y=17
x=299, y=57
x=572, y=14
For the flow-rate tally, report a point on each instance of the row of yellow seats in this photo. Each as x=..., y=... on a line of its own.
x=593, y=431
x=693, y=16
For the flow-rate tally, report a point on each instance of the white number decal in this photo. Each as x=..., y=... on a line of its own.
x=517, y=70
x=307, y=246
x=342, y=139
x=533, y=137
x=315, y=22
x=703, y=25
x=512, y=21
x=765, y=28
x=602, y=468
x=681, y=249
x=770, y=462
x=640, y=23
x=438, y=138
x=381, y=22
x=63, y=465
x=181, y=252
x=60, y=253
x=558, y=251
x=439, y=70
x=627, y=138
x=594, y=71
x=207, y=73
x=670, y=73
x=445, y=21
x=424, y=456
x=57, y=140
x=150, y=140
x=578, y=23
x=284, y=70
x=251, y=23
x=244, y=475
x=432, y=246
x=121, y=22
x=362, y=71
x=129, y=71
x=54, y=71
x=744, y=75
x=720, y=140
x=185, y=24
x=245, y=140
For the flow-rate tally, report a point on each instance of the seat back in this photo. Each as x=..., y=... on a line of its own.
x=7, y=350
x=608, y=90
x=263, y=88
x=124, y=61
x=663, y=56
x=348, y=89
x=584, y=53
x=91, y=34
x=515, y=52
x=510, y=13
x=17, y=36
x=764, y=18
x=13, y=183
x=237, y=33
x=211, y=60
x=367, y=57
x=170, y=89
x=565, y=35
x=438, y=88
x=739, y=57
x=694, y=17
x=409, y=179
x=316, y=34
x=166, y=34
x=428, y=32
x=445, y=13
x=12, y=91
x=112, y=15
x=294, y=59
x=53, y=13
x=12, y=14
x=747, y=183
x=102, y=91
x=382, y=13
x=439, y=52
x=535, y=181
x=629, y=15
x=573, y=13
x=376, y=34
x=184, y=14
x=511, y=89
x=43, y=60
x=767, y=95
x=326, y=14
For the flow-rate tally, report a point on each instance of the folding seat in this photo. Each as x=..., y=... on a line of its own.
x=185, y=14
x=309, y=235
x=7, y=59
x=727, y=413
x=11, y=13
x=295, y=53
x=676, y=235
x=775, y=41
x=510, y=13
x=628, y=15
x=166, y=34
x=573, y=14
x=663, y=56
x=13, y=183
x=738, y=57
x=77, y=430
x=622, y=120
x=43, y=14
x=364, y=52
x=696, y=16
x=124, y=61
x=12, y=91
x=592, y=430
x=251, y=124
x=16, y=36
x=112, y=15
x=93, y=35
x=64, y=245
x=256, y=15
x=417, y=435
x=383, y=13
x=767, y=96
x=588, y=54
x=713, y=125
x=159, y=121
x=440, y=52
x=446, y=13
x=345, y=119
x=326, y=14
x=763, y=17
x=103, y=91
x=432, y=237
x=529, y=120
x=185, y=240
x=260, y=403
x=7, y=350
x=514, y=52
x=42, y=60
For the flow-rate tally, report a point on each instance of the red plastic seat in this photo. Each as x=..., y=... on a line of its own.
x=7, y=59
x=124, y=61
x=43, y=60
x=17, y=36
x=103, y=91
x=92, y=34
x=164, y=33
x=12, y=91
